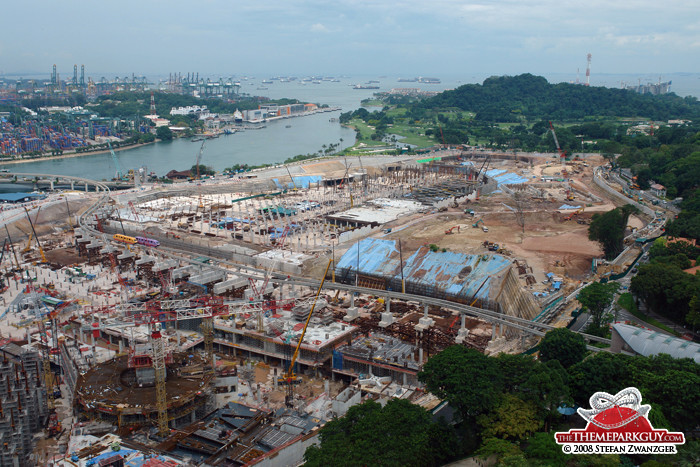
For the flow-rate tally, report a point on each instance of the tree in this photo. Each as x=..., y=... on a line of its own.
x=467, y=379
x=596, y=298
x=547, y=388
x=542, y=447
x=512, y=418
x=203, y=170
x=499, y=447
x=563, y=345
x=164, y=133
x=400, y=433
x=608, y=229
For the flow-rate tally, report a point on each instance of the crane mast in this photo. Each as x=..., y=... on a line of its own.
x=289, y=378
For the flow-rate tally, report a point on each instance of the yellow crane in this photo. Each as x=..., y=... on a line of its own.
x=289, y=378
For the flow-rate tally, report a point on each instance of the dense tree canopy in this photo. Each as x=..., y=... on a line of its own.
x=596, y=298
x=509, y=98
x=564, y=346
x=468, y=379
x=398, y=434
x=608, y=229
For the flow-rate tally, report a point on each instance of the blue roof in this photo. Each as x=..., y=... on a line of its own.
x=455, y=273
x=504, y=177
x=14, y=197
x=300, y=181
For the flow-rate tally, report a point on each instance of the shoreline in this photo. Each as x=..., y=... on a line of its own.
x=73, y=154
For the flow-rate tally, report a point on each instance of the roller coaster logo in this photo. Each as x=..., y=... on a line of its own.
x=618, y=424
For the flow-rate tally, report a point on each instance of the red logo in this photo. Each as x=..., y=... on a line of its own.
x=618, y=424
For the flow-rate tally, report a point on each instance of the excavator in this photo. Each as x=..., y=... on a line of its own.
x=476, y=224
x=450, y=230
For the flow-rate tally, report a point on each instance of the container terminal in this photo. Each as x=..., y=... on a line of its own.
x=224, y=321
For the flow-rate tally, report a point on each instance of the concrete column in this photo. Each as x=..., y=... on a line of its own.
x=352, y=299
x=464, y=321
x=388, y=305
x=425, y=311
x=86, y=186
x=51, y=185
x=420, y=355
x=493, y=330
x=405, y=379
x=72, y=185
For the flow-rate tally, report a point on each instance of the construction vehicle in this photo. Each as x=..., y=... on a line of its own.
x=119, y=175
x=450, y=230
x=491, y=246
x=476, y=224
x=197, y=176
x=562, y=154
x=289, y=378
x=12, y=247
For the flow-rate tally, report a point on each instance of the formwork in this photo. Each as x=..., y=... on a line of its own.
x=24, y=408
x=110, y=392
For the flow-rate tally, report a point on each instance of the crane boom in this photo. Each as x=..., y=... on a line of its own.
x=289, y=378
x=38, y=243
x=119, y=174
x=198, y=159
x=562, y=154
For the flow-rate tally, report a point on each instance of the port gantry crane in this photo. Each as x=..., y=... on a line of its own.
x=289, y=378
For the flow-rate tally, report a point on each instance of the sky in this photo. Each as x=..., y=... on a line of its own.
x=402, y=37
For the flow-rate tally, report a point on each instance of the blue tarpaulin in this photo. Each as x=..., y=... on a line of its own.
x=455, y=273
x=504, y=177
x=300, y=181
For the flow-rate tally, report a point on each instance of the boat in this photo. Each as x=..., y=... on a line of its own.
x=288, y=126
x=197, y=138
x=360, y=86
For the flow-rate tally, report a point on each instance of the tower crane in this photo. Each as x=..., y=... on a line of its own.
x=197, y=161
x=155, y=314
x=289, y=378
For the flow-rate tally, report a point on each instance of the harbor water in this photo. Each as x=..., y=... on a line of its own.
x=282, y=139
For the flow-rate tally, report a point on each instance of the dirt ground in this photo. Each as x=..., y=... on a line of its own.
x=547, y=240
x=64, y=256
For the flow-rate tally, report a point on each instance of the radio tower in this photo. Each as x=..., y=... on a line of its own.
x=588, y=71
x=153, y=104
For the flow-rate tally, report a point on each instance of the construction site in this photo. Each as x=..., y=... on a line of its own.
x=223, y=323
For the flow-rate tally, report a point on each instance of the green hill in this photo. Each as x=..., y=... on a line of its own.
x=529, y=97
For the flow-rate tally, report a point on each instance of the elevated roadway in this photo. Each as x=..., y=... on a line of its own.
x=173, y=248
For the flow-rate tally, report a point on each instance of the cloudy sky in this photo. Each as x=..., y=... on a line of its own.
x=402, y=37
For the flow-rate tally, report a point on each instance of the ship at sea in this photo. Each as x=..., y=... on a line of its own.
x=420, y=79
x=651, y=88
x=364, y=86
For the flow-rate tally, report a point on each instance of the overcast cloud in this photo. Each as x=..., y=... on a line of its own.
x=409, y=37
